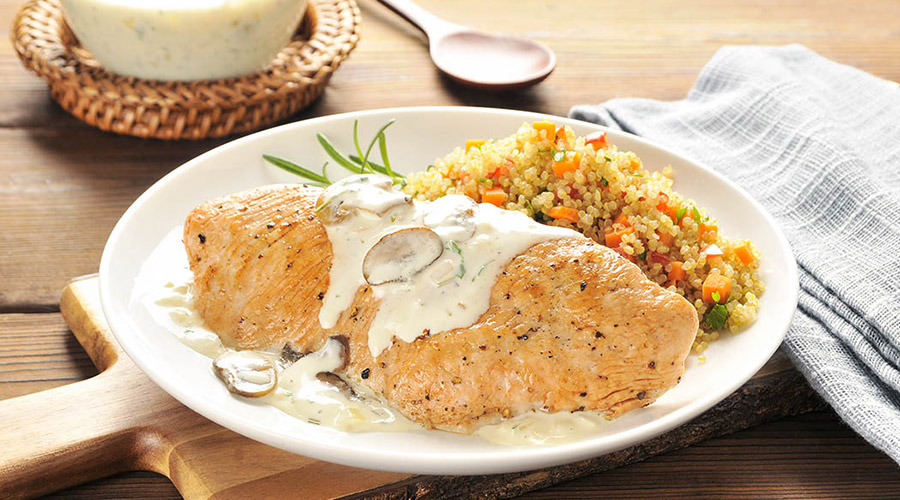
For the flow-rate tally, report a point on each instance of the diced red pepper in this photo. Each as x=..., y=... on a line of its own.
x=659, y=258
x=712, y=250
x=597, y=140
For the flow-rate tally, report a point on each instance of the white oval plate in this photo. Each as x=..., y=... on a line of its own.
x=418, y=137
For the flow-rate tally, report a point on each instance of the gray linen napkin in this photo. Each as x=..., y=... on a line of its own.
x=818, y=144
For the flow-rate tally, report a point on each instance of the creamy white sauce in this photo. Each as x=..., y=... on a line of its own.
x=184, y=39
x=163, y=288
x=454, y=290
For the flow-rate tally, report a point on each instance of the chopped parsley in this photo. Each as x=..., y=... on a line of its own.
x=696, y=214
x=716, y=297
x=715, y=318
x=679, y=214
x=559, y=155
x=462, y=261
x=604, y=181
x=482, y=269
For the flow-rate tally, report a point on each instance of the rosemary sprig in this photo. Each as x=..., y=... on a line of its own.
x=298, y=170
x=357, y=164
x=336, y=155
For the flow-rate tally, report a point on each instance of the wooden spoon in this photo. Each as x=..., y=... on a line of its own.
x=475, y=58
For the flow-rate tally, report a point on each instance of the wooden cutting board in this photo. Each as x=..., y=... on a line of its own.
x=120, y=421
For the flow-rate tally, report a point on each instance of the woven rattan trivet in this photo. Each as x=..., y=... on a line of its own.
x=185, y=110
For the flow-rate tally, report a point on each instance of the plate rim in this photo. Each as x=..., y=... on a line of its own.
x=511, y=458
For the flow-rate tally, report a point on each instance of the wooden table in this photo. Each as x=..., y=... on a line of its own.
x=63, y=185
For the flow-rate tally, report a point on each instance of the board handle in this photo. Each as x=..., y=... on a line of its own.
x=83, y=431
x=67, y=436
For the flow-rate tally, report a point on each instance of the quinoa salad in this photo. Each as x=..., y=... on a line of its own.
x=587, y=184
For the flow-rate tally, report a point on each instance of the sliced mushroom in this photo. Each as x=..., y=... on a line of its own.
x=246, y=373
x=451, y=216
x=331, y=210
x=290, y=354
x=332, y=357
x=372, y=194
x=401, y=255
x=341, y=385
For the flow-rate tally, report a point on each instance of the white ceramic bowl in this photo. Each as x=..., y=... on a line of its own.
x=415, y=140
x=184, y=39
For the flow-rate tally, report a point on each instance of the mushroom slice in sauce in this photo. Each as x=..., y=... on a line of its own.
x=246, y=373
x=401, y=255
x=451, y=216
x=332, y=357
x=349, y=196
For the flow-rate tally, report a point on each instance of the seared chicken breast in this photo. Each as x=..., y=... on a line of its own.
x=571, y=325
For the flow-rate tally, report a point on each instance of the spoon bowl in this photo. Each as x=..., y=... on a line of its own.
x=477, y=59
x=491, y=61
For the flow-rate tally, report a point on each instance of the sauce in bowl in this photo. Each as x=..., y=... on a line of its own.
x=184, y=39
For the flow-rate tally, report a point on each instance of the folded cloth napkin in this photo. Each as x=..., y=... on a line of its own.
x=818, y=144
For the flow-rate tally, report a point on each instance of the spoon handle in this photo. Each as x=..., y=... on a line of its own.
x=430, y=24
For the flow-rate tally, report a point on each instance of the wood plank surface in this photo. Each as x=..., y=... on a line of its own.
x=63, y=185
x=605, y=49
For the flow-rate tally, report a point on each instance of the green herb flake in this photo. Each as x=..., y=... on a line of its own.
x=696, y=214
x=643, y=255
x=559, y=155
x=715, y=318
x=716, y=296
x=481, y=270
x=679, y=214
x=608, y=158
x=462, y=260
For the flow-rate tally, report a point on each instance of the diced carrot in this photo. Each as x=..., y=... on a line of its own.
x=548, y=127
x=561, y=136
x=635, y=163
x=666, y=239
x=622, y=219
x=614, y=238
x=569, y=163
x=564, y=213
x=663, y=204
x=677, y=273
x=597, y=140
x=672, y=211
x=708, y=228
x=712, y=250
x=744, y=253
x=474, y=143
x=494, y=196
x=716, y=283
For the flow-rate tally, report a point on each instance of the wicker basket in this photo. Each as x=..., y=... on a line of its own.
x=185, y=110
